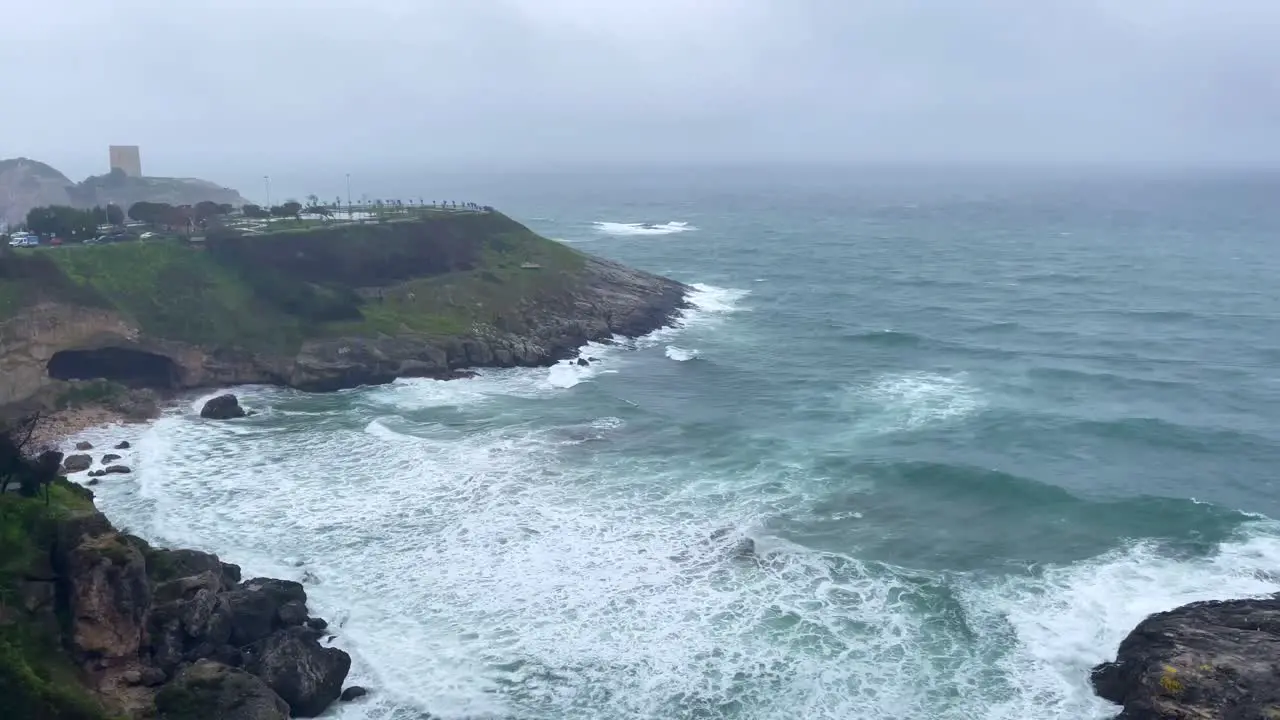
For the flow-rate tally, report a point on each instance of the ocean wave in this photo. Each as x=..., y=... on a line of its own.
x=909, y=401
x=625, y=229
x=680, y=354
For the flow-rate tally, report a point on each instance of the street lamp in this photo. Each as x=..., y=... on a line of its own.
x=349, y=196
x=266, y=179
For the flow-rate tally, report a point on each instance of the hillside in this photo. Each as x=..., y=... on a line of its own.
x=316, y=308
x=26, y=183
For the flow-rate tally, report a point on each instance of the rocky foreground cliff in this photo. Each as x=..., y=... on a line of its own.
x=316, y=308
x=96, y=624
x=1204, y=661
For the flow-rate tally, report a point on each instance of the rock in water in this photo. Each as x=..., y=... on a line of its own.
x=109, y=457
x=222, y=407
x=1200, y=661
x=211, y=691
x=353, y=692
x=583, y=362
x=122, y=445
x=76, y=463
x=84, y=445
x=292, y=663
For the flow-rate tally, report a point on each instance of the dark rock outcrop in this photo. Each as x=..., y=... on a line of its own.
x=293, y=663
x=1200, y=661
x=109, y=457
x=116, y=470
x=122, y=445
x=353, y=692
x=222, y=407
x=212, y=691
x=84, y=445
x=77, y=463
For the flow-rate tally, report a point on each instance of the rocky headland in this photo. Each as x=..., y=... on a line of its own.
x=318, y=309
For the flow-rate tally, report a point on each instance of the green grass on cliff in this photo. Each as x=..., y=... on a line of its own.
x=37, y=678
x=438, y=275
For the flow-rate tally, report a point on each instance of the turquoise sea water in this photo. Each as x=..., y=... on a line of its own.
x=978, y=425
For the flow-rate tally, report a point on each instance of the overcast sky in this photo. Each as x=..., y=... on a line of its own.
x=218, y=87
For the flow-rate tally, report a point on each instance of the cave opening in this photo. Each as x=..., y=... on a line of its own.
x=131, y=368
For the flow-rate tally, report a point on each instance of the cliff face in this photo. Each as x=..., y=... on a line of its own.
x=97, y=624
x=1203, y=661
x=318, y=308
x=25, y=184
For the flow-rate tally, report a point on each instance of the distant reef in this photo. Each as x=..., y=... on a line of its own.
x=26, y=183
x=317, y=308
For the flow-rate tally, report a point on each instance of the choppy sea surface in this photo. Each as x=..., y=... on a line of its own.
x=977, y=427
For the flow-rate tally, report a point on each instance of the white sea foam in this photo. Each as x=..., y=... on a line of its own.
x=679, y=354
x=482, y=573
x=900, y=402
x=669, y=228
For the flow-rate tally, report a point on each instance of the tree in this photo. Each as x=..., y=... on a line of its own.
x=225, y=208
x=115, y=215
x=291, y=209
x=255, y=211
x=15, y=463
x=313, y=200
x=206, y=209
x=149, y=212
x=63, y=222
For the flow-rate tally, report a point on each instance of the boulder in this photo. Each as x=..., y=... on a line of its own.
x=353, y=692
x=109, y=457
x=255, y=607
x=1199, y=661
x=76, y=463
x=116, y=470
x=583, y=362
x=317, y=624
x=222, y=407
x=292, y=613
x=84, y=445
x=209, y=690
x=164, y=565
x=108, y=595
x=293, y=664
x=97, y=473
x=122, y=445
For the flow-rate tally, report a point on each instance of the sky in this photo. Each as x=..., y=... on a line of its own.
x=238, y=89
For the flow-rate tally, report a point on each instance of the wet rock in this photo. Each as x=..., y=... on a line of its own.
x=255, y=607
x=164, y=565
x=122, y=445
x=109, y=457
x=292, y=613
x=97, y=473
x=1199, y=661
x=209, y=690
x=583, y=362
x=222, y=407
x=317, y=624
x=93, y=481
x=353, y=692
x=84, y=445
x=293, y=664
x=76, y=463
x=116, y=470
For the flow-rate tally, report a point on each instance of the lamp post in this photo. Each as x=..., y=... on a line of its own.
x=266, y=179
x=349, y=216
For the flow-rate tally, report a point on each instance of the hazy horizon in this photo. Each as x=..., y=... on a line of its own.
x=394, y=86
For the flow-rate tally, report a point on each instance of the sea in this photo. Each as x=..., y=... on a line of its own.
x=976, y=424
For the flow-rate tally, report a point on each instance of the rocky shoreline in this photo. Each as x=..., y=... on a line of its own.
x=1203, y=661
x=170, y=633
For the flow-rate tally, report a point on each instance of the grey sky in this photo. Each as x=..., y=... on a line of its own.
x=230, y=86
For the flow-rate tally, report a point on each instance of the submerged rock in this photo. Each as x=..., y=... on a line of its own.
x=1200, y=661
x=84, y=445
x=353, y=692
x=222, y=407
x=122, y=445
